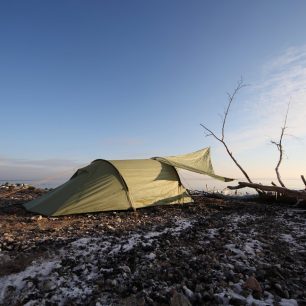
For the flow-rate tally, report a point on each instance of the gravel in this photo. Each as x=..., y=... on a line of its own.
x=212, y=252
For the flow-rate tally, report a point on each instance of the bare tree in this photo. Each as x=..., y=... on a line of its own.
x=300, y=195
x=221, y=139
x=280, y=148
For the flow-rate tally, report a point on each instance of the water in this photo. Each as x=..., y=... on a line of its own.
x=196, y=182
x=36, y=183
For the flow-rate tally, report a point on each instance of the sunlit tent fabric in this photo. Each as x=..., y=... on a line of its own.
x=199, y=162
x=122, y=184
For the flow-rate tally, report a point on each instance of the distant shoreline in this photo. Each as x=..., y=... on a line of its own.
x=202, y=184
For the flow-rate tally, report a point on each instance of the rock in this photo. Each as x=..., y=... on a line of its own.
x=36, y=218
x=29, y=285
x=278, y=287
x=281, y=291
x=239, y=267
x=245, y=292
x=141, y=301
x=198, y=297
x=126, y=269
x=286, y=294
x=261, y=274
x=236, y=288
x=100, y=282
x=199, y=288
x=179, y=299
x=206, y=296
x=237, y=301
x=49, y=286
x=4, y=259
x=188, y=292
x=256, y=295
x=253, y=284
x=221, y=300
x=230, y=275
x=8, y=238
x=133, y=301
x=151, y=256
x=9, y=291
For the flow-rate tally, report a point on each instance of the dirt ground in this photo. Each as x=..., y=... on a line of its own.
x=212, y=252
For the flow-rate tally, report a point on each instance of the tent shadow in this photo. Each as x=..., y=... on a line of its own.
x=167, y=173
x=169, y=201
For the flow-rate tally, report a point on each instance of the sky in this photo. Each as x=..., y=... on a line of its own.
x=81, y=80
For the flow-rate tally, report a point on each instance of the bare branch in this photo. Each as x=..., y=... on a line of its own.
x=211, y=133
x=279, y=146
x=303, y=179
x=231, y=98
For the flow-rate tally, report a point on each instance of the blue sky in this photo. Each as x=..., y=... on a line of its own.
x=81, y=80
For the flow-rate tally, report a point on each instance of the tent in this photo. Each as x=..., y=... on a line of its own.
x=124, y=184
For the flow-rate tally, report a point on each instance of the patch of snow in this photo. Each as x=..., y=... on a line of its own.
x=252, y=246
x=19, y=280
x=288, y=302
x=212, y=233
x=151, y=256
x=73, y=280
x=296, y=226
x=288, y=238
x=234, y=249
x=181, y=224
x=150, y=235
x=228, y=294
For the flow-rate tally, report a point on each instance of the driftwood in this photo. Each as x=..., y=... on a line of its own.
x=298, y=194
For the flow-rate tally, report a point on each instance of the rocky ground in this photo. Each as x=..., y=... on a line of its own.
x=213, y=252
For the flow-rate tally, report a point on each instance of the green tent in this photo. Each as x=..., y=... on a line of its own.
x=123, y=184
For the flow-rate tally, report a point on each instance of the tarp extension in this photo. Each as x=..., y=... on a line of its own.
x=199, y=162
